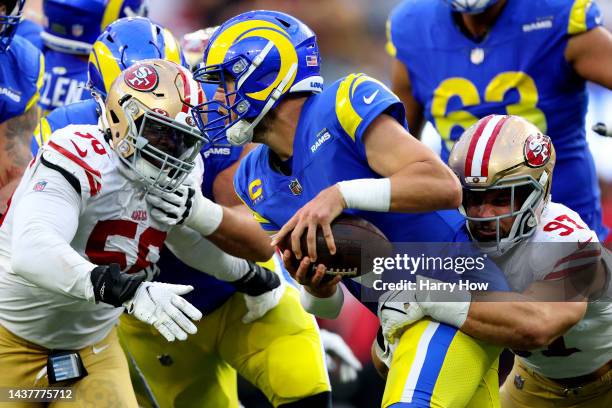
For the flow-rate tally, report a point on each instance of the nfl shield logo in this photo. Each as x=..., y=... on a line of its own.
x=77, y=30
x=295, y=187
x=40, y=186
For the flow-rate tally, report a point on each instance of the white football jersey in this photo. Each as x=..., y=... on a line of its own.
x=558, y=248
x=114, y=226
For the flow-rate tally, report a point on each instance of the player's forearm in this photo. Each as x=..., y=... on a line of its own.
x=519, y=322
x=424, y=186
x=239, y=235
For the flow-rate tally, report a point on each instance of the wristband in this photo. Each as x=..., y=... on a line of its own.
x=367, y=194
x=453, y=310
x=326, y=308
x=112, y=286
x=206, y=216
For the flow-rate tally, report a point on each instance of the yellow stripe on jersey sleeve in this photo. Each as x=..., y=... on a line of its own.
x=390, y=47
x=348, y=117
x=39, y=83
x=577, y=20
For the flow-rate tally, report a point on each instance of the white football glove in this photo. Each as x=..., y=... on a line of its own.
x=186, y=205
x=258, y=306
x=160, y=305
x=384, y=350
x=396, y=311
x=335, y=346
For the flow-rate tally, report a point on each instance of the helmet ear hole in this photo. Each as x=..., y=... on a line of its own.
x=114, y=117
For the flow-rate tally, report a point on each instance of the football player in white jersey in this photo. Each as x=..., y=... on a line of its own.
x=560, y=310
x=84, y=230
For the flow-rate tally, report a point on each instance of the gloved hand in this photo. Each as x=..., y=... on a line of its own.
x=160, y=305
x=335, y=346
x=396, y=311
x=186, y=205
x=604, y=129
x=262, y=289
x=258, y=306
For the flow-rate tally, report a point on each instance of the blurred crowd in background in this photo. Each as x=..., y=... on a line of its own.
x=351, y=36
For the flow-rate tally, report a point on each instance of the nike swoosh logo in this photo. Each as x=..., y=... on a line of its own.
x=99, y=350
x=384, y=307
x=81, y=153
x=370, y=98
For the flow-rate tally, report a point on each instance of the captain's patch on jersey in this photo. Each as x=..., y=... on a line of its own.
x=40, y=186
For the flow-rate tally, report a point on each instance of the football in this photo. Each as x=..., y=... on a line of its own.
x=356, y=240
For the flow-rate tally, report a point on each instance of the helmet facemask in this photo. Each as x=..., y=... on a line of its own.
x=232, y=118
x=526, y=216
x=9, y=22
x=159, y=151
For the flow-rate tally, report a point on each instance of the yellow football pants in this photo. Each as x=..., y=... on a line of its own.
x=531, y=390
x=107, y=383
x=280, y=354
x=436, y=365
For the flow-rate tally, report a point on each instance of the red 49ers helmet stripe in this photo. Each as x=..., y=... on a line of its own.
x=482, y=144
x=487, y=153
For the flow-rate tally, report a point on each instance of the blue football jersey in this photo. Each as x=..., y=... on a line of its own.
x=29, y=30
x=328, y=148
x=21, y=75
x=519, y=68
x=65, y=80
x=210, y=293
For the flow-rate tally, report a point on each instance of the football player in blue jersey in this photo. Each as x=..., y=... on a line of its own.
x=264, y=351
x=456, y=61
x=21, y=73
x=327, y=151
x=71, y=27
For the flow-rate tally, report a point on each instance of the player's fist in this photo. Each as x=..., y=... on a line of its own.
x=160, y=305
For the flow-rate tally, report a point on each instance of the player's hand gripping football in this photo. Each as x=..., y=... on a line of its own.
x=318, y=212
x=313, y=283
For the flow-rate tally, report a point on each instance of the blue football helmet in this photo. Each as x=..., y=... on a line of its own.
x=470, y=6
x=71, y=26
x=9, y=22
x=124, y=43
x=262, y=56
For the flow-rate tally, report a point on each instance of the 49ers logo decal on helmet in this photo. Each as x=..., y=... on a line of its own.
x=537, y=150
x=142, y=77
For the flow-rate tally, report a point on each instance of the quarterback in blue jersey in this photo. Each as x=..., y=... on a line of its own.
x=71, y=26
x=461, y=60
x=225, y=344
x=326, y=151
x=21, y=73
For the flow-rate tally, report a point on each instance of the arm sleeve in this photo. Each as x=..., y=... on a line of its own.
x=45, y=222
x=201, y=254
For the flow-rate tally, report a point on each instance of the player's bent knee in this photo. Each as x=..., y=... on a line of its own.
x=321, y=400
